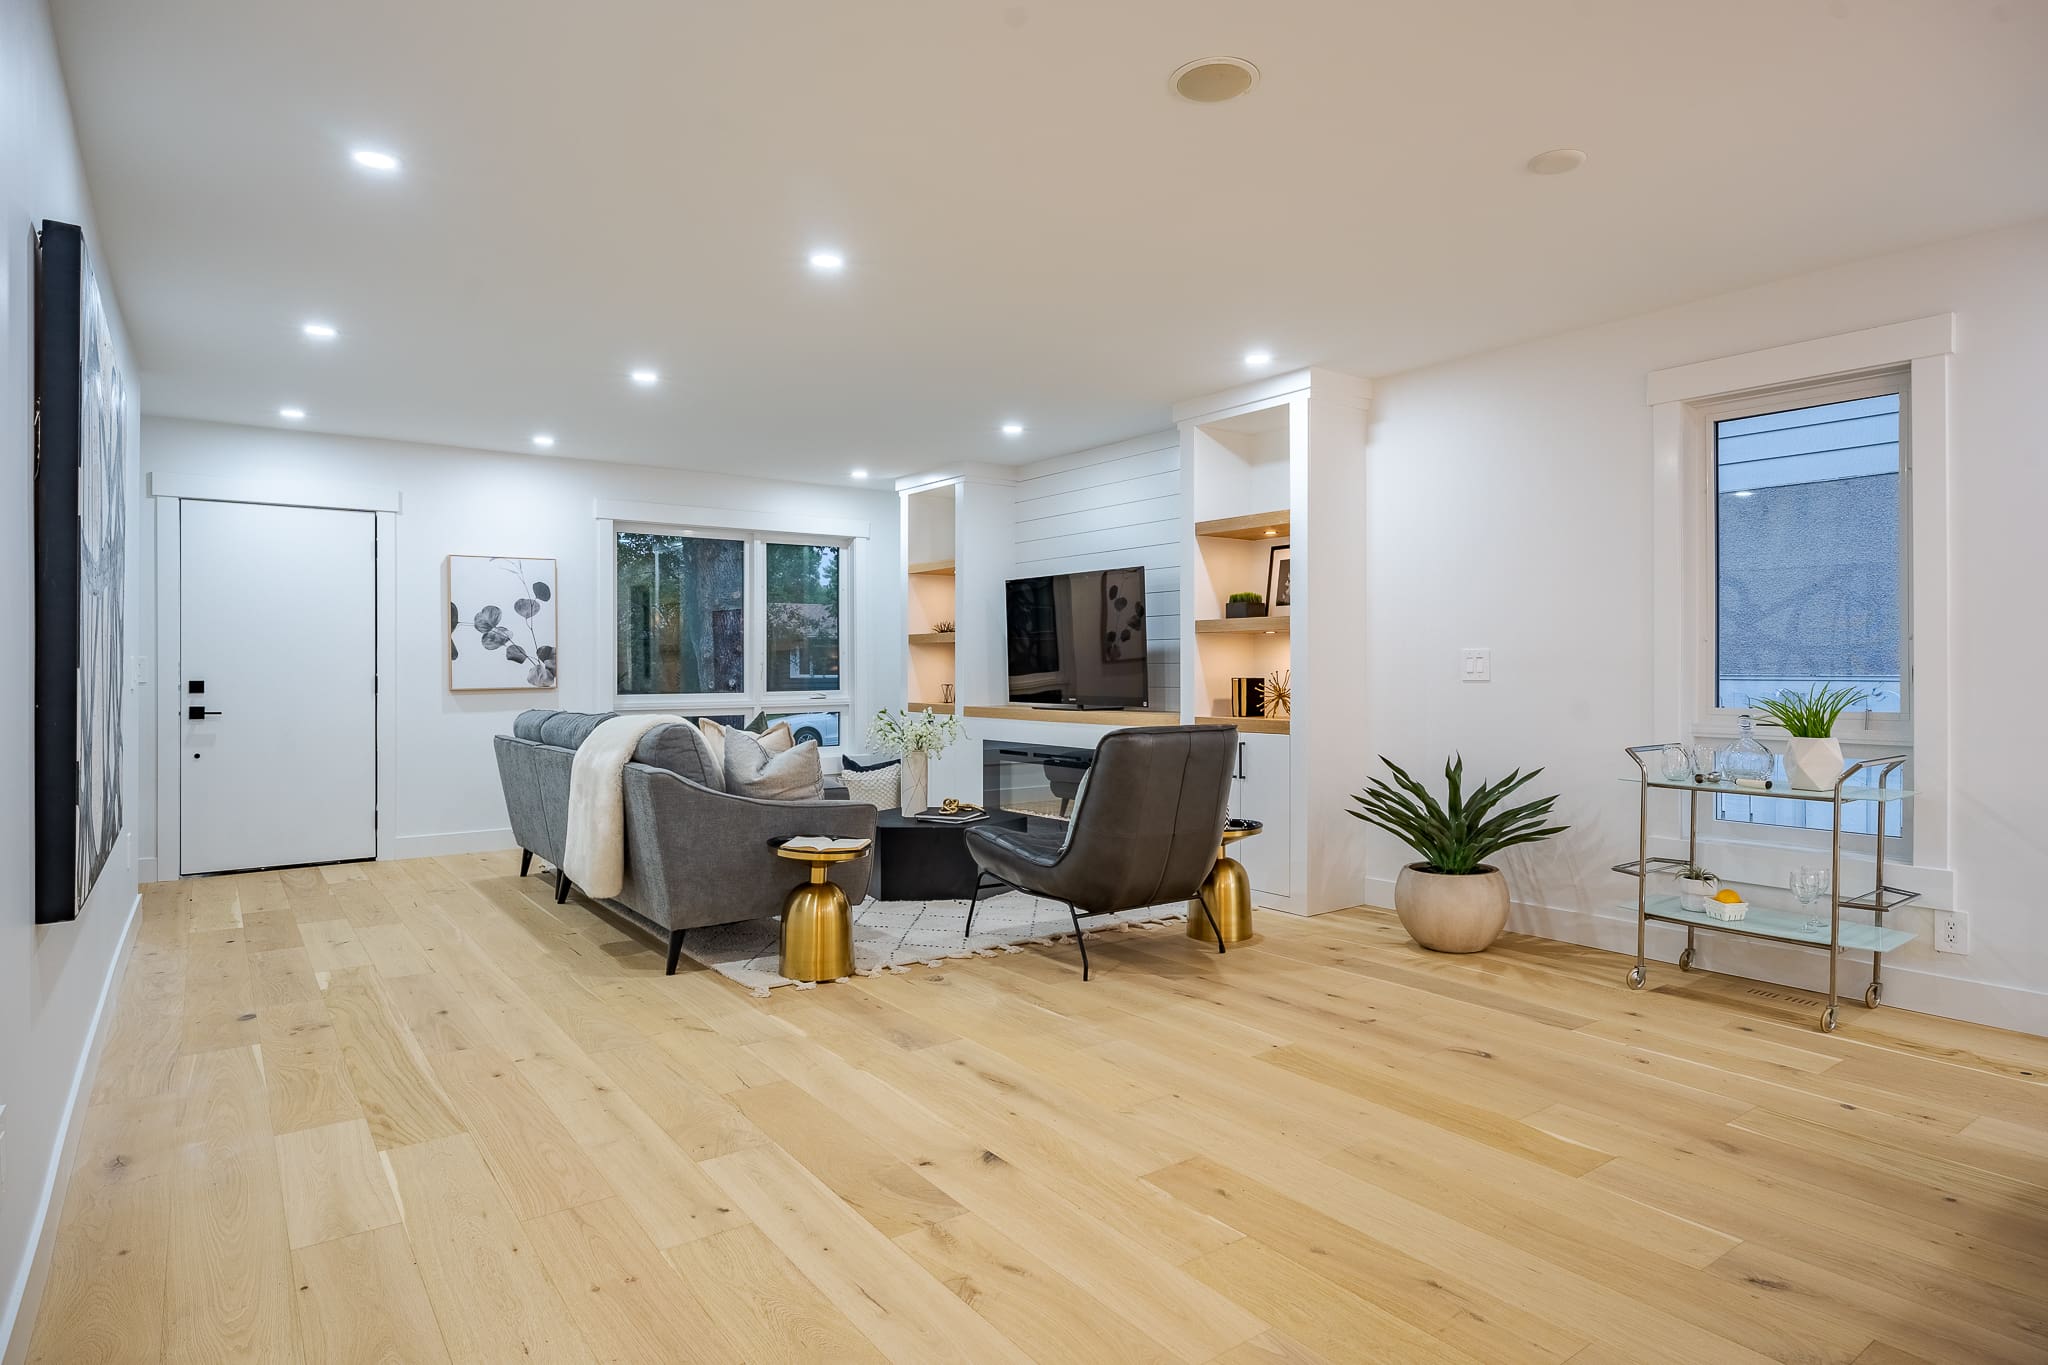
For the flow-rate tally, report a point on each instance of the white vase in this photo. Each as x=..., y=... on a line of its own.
x=914, y=792
x=1813, y=764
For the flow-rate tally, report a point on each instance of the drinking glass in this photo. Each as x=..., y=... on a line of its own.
x=1677, y=763
x=1809, y=886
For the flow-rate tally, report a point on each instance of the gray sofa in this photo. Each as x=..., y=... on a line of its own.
x=696, y=855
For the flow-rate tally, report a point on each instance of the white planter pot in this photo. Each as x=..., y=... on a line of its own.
x=1813, y=764
x=1447, y=914
x=1693, y=892
x=916, y=789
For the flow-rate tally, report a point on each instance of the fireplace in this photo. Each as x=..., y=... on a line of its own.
x=1039, y=781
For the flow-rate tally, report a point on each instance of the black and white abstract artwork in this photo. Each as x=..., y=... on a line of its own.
x=81, y=576
x=501, y=624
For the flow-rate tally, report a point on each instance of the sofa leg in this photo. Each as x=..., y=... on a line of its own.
x=525, y=861
x=561, y=886
x=1210, y=915
x=1080, y=941
x=675, y=949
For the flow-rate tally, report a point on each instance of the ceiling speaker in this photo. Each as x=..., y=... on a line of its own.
x=1212, y=80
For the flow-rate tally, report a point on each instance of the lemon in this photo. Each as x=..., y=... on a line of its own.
x=1728, y=897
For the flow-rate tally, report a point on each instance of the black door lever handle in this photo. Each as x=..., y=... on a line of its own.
x=198, y=713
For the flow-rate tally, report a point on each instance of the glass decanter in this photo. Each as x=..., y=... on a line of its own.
x=1746, y=757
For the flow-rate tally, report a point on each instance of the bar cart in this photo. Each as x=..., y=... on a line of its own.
x=1775, y=926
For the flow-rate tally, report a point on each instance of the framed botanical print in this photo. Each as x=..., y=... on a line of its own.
x=502, y=633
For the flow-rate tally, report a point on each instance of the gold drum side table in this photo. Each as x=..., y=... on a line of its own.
x=817, y=923
x=1227, y=890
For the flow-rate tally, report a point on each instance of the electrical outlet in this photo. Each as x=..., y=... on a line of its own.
x=1476, y=665
x=1951, y=931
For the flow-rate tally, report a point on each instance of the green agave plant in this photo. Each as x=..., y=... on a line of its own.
x=1460, y=833
x=1810, y=714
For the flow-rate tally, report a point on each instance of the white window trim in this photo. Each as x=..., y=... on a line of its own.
x=1681, y=557
x=757, y=529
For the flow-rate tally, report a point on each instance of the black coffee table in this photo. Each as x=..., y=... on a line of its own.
x=924, y=860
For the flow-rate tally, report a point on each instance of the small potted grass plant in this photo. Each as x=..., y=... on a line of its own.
x=1695, y=884
x=1452, y=901
x=1813, y=757
x=1245, y=604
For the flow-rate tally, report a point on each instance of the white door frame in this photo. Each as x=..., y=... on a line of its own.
x=168, y=494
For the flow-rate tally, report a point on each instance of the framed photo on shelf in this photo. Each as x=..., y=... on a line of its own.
x=1280, y=580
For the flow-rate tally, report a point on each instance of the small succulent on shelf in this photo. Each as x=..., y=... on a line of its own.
x=1247, y=597
x=943, y=628
x=1810, y=714
x=1244, y=604
x=1693, y=872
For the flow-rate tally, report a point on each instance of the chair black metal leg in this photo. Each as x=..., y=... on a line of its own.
x=1080, y=941
x=561, y=886
x=972, y=906
x=675, y=949
x=1210, y=915
x=525, y=861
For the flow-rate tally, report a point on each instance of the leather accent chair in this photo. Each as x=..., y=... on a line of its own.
x=1144, y=832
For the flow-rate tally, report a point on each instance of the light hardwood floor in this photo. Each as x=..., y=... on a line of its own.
x=416, y=1112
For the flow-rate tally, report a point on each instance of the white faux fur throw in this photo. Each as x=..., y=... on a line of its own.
x=594, y=854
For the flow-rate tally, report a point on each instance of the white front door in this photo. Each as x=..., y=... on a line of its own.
x=277, y=693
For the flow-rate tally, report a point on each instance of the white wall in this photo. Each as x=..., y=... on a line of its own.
x=1104, y=509
x=1509, y=506
x=446, y=797
x=52, y=978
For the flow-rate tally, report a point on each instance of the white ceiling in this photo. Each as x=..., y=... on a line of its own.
x=1034, y=228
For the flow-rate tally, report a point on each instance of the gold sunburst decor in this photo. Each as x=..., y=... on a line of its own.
x=1280, y=692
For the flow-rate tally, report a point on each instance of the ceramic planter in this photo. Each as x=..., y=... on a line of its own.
x=1452, y=914
x=1813, y=764
x=1694, y=891
x=1244, y=608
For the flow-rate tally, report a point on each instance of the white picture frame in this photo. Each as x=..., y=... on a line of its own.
x=503, y=634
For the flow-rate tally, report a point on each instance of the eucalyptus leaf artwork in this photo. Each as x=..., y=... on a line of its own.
x=501, y=624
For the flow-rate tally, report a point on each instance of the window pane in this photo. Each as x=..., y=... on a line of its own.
x=682, y=602
x=822, y=726
x=1858, y=817
x=1807, y=513
x=803, y=618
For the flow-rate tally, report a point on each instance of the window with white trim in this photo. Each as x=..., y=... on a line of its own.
x=743, y=627
x=1810, y=572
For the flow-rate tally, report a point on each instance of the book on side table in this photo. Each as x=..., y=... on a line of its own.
x=819, y=843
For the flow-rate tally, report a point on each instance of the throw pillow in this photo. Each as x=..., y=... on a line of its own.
x=682, y=749
x=714, y=738
x=879, y=786
x=750, y=770
x=777, y=739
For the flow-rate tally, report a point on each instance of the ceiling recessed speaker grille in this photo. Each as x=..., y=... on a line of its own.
x=1212, y=80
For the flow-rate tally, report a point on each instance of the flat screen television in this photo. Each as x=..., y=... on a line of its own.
x=1078, y=639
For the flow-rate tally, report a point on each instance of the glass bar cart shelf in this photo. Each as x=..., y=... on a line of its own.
x=1778, y=926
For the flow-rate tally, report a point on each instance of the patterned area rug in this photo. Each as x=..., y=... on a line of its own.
x=894, y=936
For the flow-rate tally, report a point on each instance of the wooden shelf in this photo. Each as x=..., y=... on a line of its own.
x=1250, y=725
x=1256, y=526
x=939, y=566
x=933, y=637
x=943, y=708
x=1060, y=716
x=1243, y=625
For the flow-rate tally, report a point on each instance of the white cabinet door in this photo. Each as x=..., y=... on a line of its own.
x=277, y=693
x=1262, y=791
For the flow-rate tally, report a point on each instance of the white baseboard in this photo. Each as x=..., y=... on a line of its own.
x=1911, y=988
x=455, y=841
x=24, y=1296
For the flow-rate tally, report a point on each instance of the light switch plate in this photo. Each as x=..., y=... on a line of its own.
x=1477, y=666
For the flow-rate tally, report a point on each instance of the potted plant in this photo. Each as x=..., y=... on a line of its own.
x=1245, y=604
x=1695, y=885
x=1813, y=758
x=914, y=736
x=1452, y=901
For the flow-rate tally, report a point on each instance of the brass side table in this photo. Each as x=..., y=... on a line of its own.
x=1227, y=890
x=817, y=923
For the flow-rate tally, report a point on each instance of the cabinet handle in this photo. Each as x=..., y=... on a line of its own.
x=1240, y=759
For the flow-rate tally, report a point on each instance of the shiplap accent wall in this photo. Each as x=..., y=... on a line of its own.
x=1105, y=508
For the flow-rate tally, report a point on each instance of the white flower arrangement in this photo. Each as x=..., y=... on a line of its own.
x=912, y=732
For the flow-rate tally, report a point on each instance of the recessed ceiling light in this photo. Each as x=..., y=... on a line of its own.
x=1258, y=358
x=543, y=440
x=320, y=331
x=1272, y=531
x=860, y=473
x=646, y=379
x=1013, y=428
x=1560, y=162
x=292, y=414
x=827, y=262
x=371, y=159
x=1212, y=80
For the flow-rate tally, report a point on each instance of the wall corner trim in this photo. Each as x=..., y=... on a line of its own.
x=1895, y=343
